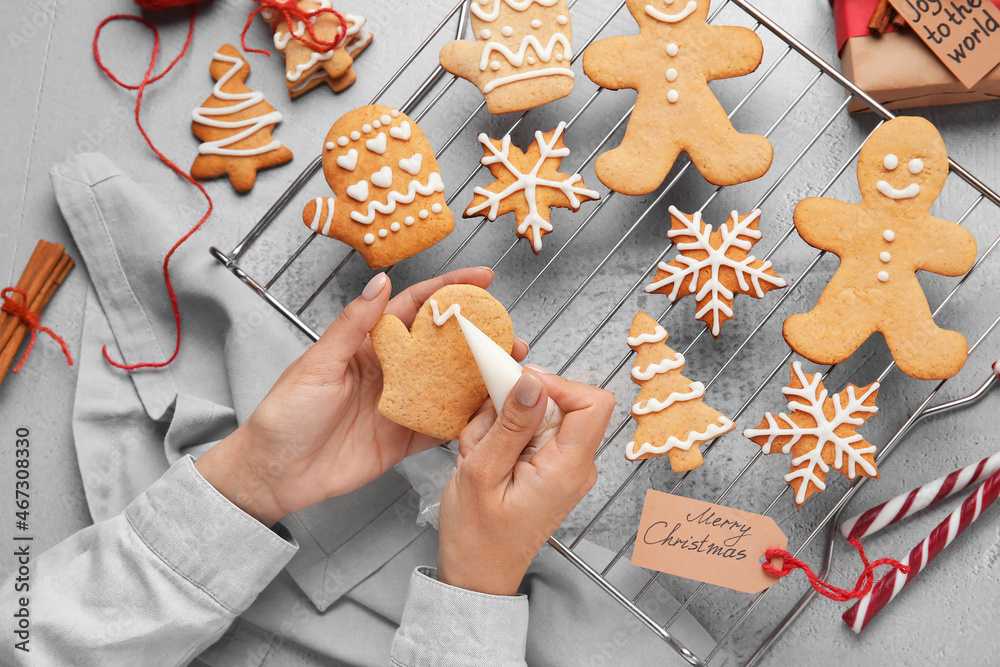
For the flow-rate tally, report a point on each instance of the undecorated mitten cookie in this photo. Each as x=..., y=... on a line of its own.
x=431, y=382
x=520, y=59
x=389, y=202
x=669, y=63
x=882, y=242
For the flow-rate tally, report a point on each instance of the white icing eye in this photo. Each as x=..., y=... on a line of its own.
x=890, y=162
x=507, y=31
x=916, y=166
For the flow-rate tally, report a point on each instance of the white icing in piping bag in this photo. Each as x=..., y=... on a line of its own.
x=500, y=373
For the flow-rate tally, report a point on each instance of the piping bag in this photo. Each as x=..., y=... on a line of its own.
x=429, y=472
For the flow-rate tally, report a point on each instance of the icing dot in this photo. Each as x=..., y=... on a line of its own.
x=883, y=276
x=394, y=226
x=366, y=128
x=424, y=214
x=885, y=257
x=671, y=74
x=409, y=220
x=330, y=145
x=385, y=119
x=531, y=60
x=559, y=57
x=889, y=235
x=673, y=96
x=507, y=31
x=536, y=24
x=672, y=49
x=916, y=166
x=383, y=232
x=890, y=162
x=343, y=141
x=369, y=239
x=437, y=208
x=376, y=124
x=486, y=34
x=495, y=65
x=562, y=19
x=355, y=135
x=394, y=113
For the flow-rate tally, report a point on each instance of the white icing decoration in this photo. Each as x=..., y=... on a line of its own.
x=403, y=132
x=671, y=74
x=378, y=144
x=359, y=191
x=562, y=19
x=434, y=184
x=529, y=184
x=695, y=390
x=516, y=5
x=545, y=53
x=883, y=276
x=376, y=124
x=382, y=178
x=394, y=113
x=657, y=369
x=366, y=128
x=810, y=400
x=386, y=120
x=890, y=162
x=330, y=145
x=495, y=65
x=740, y=236
x=909, y=192
x=437, y=208
x=383, y=233
x=889, y=235
x=315, y=226
x=524, y=76
x=672, y=49
x=369, y=239
x=243, y=101
x=282, y=37
x=721, y=426
x=343, y=141
x=689, y=9
x=659, y=334
x=355, y=135
x=673, y=96
x=916, y=166
x=531, y=60
x=409, y=221
x=412, y=165
x=424, y=214
x=348, y=161
x=439, y=317
x=486, y=34
x=507, y=31
x=885, y=257
x=394, y=227
x=536, y=24
x=559, y=57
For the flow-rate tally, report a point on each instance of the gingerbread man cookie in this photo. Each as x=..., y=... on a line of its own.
x=389, y=202
x=520, y=59
x=431, y=381
x=882, y=242
x=235, y=126
x=669, y=63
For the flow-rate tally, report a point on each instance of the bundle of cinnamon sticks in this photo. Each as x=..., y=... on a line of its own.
x=48, y=267
x=885, y=15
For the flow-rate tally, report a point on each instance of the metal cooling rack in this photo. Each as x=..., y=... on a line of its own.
x=822, y=71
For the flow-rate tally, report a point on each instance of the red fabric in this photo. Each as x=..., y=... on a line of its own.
x=294, y=14
x=852, y=16
x=826, y=589
x=141, y=87
x=29, y=317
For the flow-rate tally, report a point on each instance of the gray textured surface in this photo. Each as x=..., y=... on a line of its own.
x=60, y=105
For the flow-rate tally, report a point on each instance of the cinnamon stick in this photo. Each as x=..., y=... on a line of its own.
x=881, y=17
x=34, y=277
x=26, y=275
x=899, y=21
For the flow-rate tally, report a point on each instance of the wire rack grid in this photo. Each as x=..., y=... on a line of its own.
x=595, y=260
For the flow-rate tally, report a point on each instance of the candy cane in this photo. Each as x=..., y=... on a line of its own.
x=858, y=616
x=908, y=504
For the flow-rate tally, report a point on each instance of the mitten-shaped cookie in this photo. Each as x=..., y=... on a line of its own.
x=520, y=59
x=235, y=125
x=882, y=242
x=431, y=381
x=669, y=63
x=389, y=202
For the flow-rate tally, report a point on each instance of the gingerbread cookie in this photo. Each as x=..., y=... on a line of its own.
x=389, y=202
x=714, y=266
x=820, y=432
x=669, y=63
x=309, y=64
x=520, y=59
x=528, y=184
x=882, y=242
x=431, y=381
x=673, y=420
x=235, y=125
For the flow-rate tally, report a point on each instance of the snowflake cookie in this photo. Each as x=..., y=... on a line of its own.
x=820, y=432
x=528, y=184
x=714, y=266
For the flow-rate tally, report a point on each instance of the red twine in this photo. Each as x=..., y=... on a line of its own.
x=30, y=318
x=290, y=10
x=146, y=80
x=861, y=588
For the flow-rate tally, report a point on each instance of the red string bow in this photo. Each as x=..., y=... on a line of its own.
x=826, y=589
x=30, y=318
x=290, y=10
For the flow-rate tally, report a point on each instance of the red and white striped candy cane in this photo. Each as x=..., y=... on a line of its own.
x=918, y=499
x=859, y=615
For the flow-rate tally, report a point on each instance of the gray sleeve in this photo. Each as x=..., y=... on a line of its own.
x=153, y=586
x=444, y=626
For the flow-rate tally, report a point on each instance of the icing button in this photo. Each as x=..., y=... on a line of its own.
x=672, y=50
x=889, y=235
x=883, y=276
x=885, y=257
x=673, y=96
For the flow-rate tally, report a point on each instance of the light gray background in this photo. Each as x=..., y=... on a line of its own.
x=58, y=104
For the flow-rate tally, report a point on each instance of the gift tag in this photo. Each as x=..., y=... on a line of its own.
x=963, y=34
x=705, y=542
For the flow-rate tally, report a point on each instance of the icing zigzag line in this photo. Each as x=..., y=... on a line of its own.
x=517, y=5
x=434, y=184
x=517, y=59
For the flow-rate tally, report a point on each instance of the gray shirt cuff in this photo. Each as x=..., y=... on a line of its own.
x=206, y=539
x=444, y=625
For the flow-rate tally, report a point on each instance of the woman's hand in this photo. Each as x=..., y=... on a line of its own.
x=318, y=433
x=497, y=511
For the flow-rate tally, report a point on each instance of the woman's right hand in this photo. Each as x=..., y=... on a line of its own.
x=498, y=512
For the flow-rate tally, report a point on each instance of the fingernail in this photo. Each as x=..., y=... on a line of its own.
x=523, y=342
x=527, y=390
x=374, y=287
x=536, y=369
